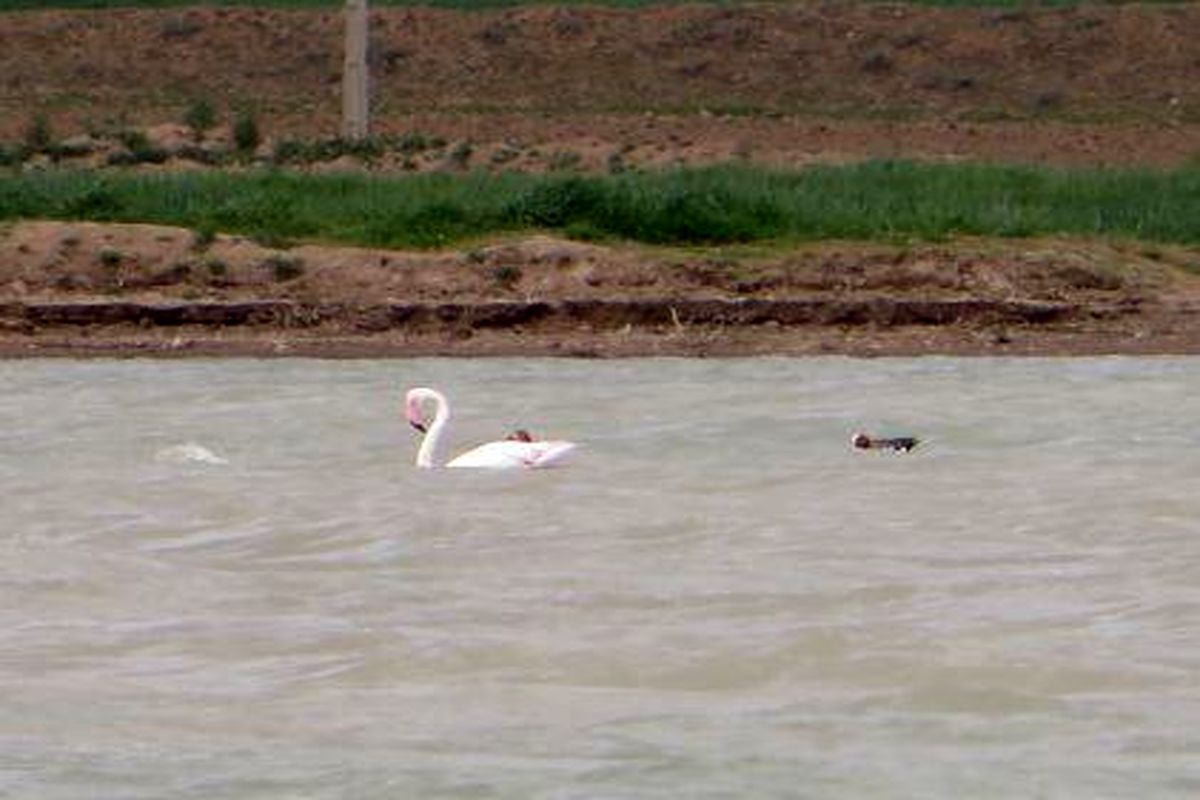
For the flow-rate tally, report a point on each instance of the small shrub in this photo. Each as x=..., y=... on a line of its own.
x=38, y=137
x=505, y=153
x=110, y=258
x=216, y=268
x=413, y=143
x=203, y=237
x=11, y=156
x=140, y=151
x=878, y=62
x=564, y=161
x=285, y=268
x=295, y=151
x=120, y=158
x=460, y=154
x=246, y=136
x=506, y=276
x=368, y=148
x=133, y=140
x=616, y=163
x=200, y=117
x=291, y=151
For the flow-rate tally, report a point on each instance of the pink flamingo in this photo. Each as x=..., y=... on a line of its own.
x=517, y=451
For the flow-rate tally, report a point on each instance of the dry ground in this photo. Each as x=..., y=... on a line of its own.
x=782, y=84
x=139, y=289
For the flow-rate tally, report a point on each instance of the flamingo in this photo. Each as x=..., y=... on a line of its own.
x=517, y=451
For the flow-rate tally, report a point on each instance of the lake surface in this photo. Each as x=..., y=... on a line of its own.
x=225, y=579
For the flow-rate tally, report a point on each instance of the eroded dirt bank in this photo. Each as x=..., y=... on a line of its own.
x=87, y=288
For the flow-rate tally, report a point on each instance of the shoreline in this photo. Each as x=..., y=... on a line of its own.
x=92, y=290
x=1152, y=332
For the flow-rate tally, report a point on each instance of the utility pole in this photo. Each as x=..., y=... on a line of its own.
x=355, y=103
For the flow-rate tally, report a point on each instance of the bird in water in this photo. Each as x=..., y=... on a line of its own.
x=518, y=450
x=897, y=444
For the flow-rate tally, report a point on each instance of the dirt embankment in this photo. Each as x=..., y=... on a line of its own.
x=786, y=83
x=137, y=289
x=589, y=88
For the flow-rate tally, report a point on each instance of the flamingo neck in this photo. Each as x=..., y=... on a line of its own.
x=433, y=437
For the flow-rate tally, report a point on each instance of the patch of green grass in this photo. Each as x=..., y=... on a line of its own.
x=731, y=204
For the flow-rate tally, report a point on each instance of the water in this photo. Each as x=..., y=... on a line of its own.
x=224, y=579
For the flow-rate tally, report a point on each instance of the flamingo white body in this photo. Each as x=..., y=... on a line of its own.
x=503, y=454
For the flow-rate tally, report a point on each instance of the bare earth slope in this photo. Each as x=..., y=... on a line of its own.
x=784, y=83
x=781, y=84
x=138, y=289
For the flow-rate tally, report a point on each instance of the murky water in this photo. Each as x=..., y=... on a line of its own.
x=224, y=579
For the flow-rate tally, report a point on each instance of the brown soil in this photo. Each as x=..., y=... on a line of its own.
x=786, y=83
x=592, y=88
x=139, y=289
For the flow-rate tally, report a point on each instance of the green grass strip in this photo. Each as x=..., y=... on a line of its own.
x=882, y=200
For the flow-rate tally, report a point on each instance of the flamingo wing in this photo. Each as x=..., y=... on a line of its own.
x=509, y=454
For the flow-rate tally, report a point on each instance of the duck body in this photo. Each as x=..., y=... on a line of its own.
x=897, y=444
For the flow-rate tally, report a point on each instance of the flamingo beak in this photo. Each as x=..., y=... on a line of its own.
x=412, y=413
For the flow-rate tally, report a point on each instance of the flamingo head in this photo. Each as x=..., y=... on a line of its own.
x=414, y=410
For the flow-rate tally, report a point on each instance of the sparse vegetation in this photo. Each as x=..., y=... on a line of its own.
x=246, y=135
x=138, y=150
x=285, y=268
x=460, y=155
x=217, y=269
x=110, y=258
x=299, y=151
x=506, y=276
x=203, y=237
x=564, y=161
x=38, y=137
x=200, y=117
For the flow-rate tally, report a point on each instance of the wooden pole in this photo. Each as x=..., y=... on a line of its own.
x=355, y=102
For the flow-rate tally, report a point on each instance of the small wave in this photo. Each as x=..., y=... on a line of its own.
x=189, y=453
